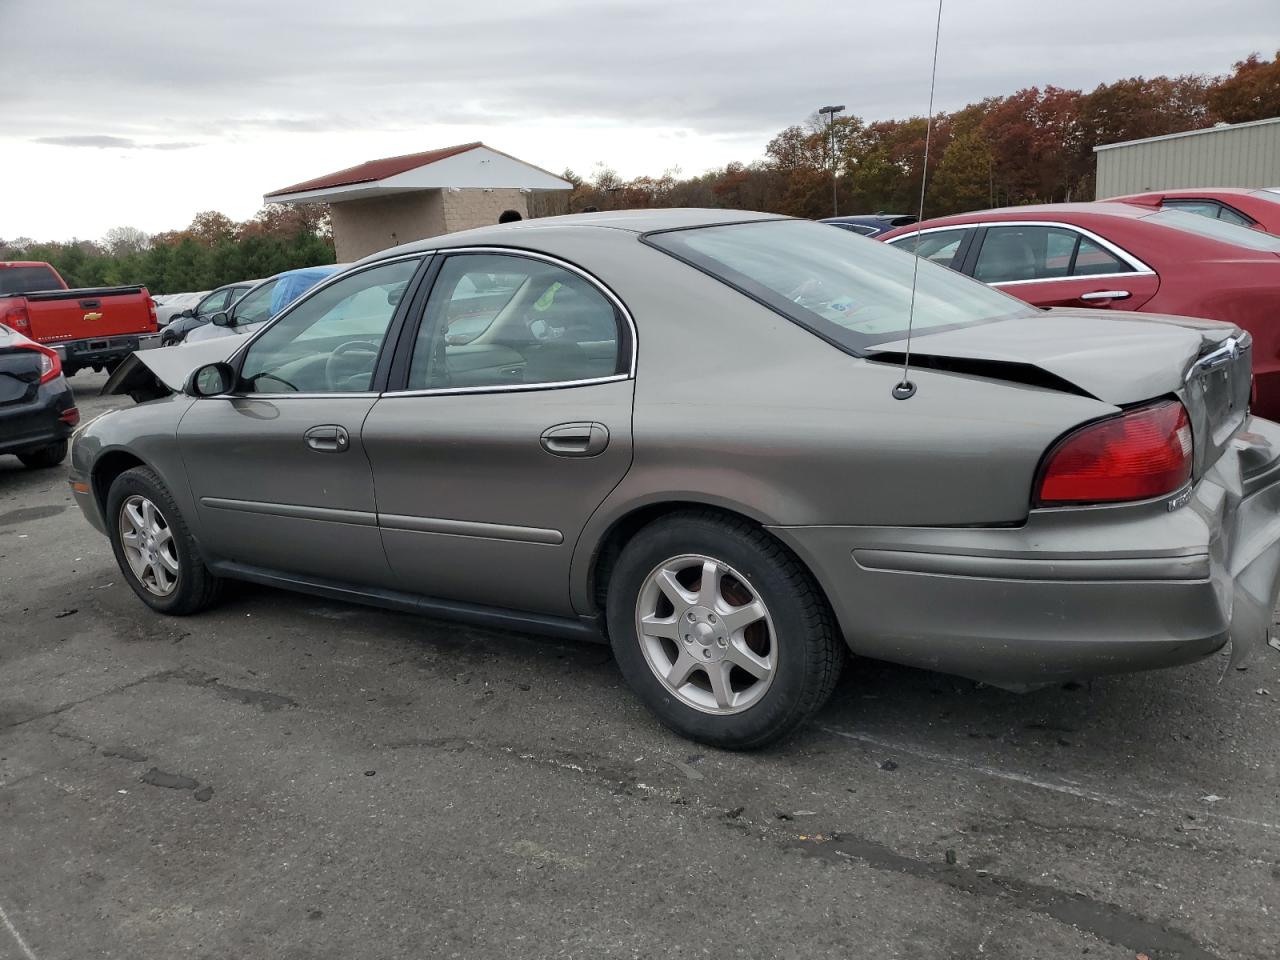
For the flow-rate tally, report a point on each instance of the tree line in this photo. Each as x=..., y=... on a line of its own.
x=211, y=251
x=1032, y=146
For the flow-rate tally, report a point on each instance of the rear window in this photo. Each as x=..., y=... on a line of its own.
x=850, y=292
x=1217, y=230
x=27, y=279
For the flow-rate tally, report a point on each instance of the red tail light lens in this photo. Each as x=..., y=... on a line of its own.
x=153, y=319
x=15, y=317
x=70, y=416
x=1142, y=453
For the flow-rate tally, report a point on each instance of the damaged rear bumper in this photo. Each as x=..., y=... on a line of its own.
x=1074, y=592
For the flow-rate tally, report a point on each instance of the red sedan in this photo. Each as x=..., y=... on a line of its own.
x=1257, y=209
x=1122, y=256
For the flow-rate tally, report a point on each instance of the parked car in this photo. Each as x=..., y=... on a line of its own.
x=871, y=225
x=95, y=328
x=1259, y=209
x=1122, y=256
x=219, y=300
x=37, y=407
x=683, y=430
x=169, y=305
x=261, y=302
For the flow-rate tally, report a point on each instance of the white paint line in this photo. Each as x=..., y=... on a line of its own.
x=22, y=944
x=1094, y=796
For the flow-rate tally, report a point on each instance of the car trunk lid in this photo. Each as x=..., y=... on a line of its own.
x=1120, y=359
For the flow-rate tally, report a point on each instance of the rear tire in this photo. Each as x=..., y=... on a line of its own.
x=154, y=548
x=739, y=664
x=43, y=458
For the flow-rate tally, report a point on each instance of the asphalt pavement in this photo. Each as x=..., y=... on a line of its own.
x=284, y=777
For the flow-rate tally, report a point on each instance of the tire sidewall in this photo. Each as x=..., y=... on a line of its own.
x=775, y=713
x=143, y=483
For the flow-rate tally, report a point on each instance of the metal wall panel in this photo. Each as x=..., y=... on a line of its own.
x=1244, y=155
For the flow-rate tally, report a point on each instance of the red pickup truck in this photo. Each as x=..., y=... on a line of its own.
x=95, y=328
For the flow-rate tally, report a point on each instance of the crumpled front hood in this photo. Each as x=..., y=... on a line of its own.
x=170, y=365
x=1114, y=356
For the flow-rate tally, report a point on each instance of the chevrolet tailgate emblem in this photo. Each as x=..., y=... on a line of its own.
x=93, y=316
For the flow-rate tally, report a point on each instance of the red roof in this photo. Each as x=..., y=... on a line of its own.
x=372, y=170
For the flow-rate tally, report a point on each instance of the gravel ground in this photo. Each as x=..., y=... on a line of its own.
x=293, y=778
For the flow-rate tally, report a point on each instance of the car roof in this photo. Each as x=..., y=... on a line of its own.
x=536, y=231
x=1036, y=211
x=1192, y=192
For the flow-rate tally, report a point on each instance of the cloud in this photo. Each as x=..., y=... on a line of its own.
x=104, y=141
x=100, y=141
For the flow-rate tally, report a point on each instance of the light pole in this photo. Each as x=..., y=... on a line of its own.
x=830, y=113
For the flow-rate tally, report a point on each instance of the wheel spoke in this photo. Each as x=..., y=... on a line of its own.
x=666, y=627
x=160, y=574
x=169, y=563
x=134, y=516
x=680, y=598
x=129, y=538
x=164, y=537
x=709, y=588
x=681, y=670
x=740, y=617
x=149, y=516
x=743, y=656
x=718, y=674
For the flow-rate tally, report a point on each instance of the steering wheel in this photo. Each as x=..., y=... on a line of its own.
x=333, y=373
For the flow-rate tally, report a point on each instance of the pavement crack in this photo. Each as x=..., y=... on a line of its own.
x=1107, y=921
x=64, y=707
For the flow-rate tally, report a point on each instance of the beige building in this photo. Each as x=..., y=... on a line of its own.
x=1228, y=155
x=382, y=203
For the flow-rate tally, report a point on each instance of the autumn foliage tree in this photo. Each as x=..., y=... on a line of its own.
x=1032, y=146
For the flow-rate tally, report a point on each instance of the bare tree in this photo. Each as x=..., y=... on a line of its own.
x=120, y=241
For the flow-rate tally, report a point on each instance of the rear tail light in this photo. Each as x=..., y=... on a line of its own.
x=50, y=362
x=14, y=316
x=153, y=319
x=1139, y=454
x=70, y=416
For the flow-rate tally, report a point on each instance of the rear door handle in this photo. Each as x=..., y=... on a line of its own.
x=584, y=439
x=328, y=438
x=1105, y=295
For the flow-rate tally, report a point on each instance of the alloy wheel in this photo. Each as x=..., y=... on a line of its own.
x=706, y=634
x=149, y=546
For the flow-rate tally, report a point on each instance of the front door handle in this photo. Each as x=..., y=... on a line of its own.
x=328, y=438
x=1105, y=295
x=585, y=439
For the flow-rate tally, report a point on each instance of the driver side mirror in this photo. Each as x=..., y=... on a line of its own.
x=211, y=380
x=188, y=313
x=221, y=319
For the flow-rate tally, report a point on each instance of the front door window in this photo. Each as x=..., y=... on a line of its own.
x=330, y=341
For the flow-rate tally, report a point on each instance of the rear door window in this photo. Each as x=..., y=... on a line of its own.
x=1018, y=253
x=936, y=246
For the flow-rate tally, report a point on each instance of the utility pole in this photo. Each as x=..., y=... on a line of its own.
x=830, y=113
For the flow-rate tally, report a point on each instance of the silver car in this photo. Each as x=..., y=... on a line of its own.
x=688, y=431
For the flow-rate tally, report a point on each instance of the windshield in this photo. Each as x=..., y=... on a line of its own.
x=27, y=279
x=847, y=289
x=1216, y=230
x=255, y=306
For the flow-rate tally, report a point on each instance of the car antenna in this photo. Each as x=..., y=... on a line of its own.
x=905, y=389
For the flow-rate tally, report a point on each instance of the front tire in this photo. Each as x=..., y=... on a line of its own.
x=43, y=458
x=154, y=548
x=721, y=631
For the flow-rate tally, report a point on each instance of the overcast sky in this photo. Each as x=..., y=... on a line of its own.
x=117, y=112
